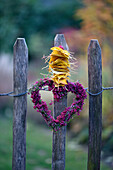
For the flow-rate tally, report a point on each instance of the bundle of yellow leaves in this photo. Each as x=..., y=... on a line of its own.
x=59, y=65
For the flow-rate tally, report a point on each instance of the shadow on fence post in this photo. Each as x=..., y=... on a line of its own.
x=95, y=105
x=20, y=104
x=58, y=152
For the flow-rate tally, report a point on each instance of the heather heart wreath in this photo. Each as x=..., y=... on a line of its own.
x=59, y=67
x=59, y=92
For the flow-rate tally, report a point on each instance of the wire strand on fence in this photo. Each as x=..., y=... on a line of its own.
x=18, y=95
x=93, y=94
x=13, y=95
x=6, y=94
x=96, y=94
x=46, y=89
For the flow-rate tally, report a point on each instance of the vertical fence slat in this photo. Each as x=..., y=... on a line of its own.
x=20, y=104
x=58, y=148
x=95, y=105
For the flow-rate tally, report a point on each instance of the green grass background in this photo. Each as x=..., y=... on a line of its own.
x=39, y=149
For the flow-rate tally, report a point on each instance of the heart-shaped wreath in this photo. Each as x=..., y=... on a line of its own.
x=58, y=92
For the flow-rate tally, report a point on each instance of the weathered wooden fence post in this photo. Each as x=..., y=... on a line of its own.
x=58, y=153
x=95, y=105
x=20, y=104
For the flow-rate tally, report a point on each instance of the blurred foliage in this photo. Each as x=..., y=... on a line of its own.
x=97, y=18
x=97, y=23
x=35, y=20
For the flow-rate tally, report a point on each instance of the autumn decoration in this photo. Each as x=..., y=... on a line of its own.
x=58, y=83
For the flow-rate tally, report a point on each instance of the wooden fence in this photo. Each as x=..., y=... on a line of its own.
x=20, y=108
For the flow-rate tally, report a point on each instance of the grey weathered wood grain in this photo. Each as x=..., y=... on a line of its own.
x=58, y=148
x=95, y=105
x=20, y=104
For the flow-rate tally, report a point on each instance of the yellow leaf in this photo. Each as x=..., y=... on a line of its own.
x=60, y=52
x=63, y=70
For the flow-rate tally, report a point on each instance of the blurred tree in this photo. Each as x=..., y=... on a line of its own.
x=98, y=22
x=35, y=20
x=97, y=17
